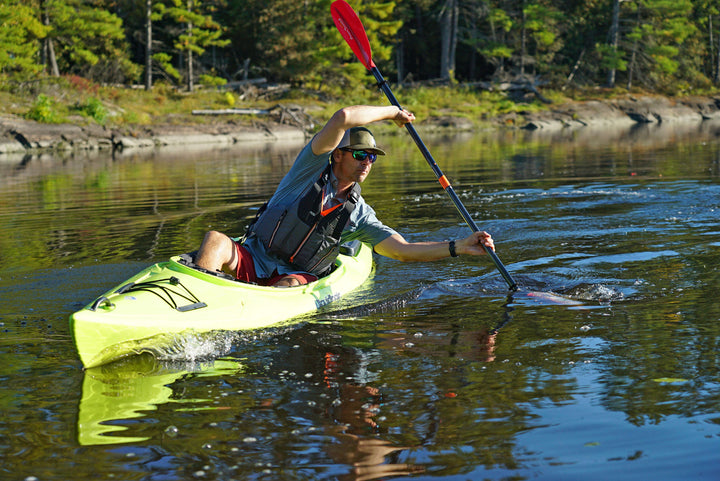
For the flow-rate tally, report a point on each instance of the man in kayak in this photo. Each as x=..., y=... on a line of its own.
x=317, y=206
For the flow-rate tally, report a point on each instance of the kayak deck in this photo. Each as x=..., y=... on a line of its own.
x=170, y=298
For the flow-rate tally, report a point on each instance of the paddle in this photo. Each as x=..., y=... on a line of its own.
x=352, y=30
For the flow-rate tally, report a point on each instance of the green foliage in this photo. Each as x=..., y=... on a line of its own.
x=88, y=40
x=164, y=61
x=19, y=39
x=660, y=29
x=212, y=80
x=193, y=30
x=230, y=99
x=44, y=110
x=611, y=58
x=94, y=109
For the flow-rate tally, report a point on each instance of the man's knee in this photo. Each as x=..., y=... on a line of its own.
x=291, y=280
x=216, y=252
x=213, y=237
x=287, y=281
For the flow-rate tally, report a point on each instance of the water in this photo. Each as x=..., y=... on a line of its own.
x=430, y=370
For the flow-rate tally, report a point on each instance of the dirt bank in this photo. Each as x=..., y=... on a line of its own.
x=19, y=136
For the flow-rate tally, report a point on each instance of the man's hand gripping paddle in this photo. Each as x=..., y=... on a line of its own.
x=354, y=34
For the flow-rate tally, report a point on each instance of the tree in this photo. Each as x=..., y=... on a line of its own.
x=19, y=34
x=705, y=16
x=148, y=44
x=448, y=34
x=611, y=51
x=87, y=40
x=541, y=27
x=661, y=26
x=195, y=31
x=486, y=33
x=297, y=42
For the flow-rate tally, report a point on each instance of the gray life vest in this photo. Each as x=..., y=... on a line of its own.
x=303, y=234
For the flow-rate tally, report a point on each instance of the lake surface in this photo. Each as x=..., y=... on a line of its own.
x=430, y=370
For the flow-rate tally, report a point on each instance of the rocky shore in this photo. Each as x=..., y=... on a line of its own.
x=19, y=136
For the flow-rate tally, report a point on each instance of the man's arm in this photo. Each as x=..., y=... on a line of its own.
x=355, y=116
x=396, y=247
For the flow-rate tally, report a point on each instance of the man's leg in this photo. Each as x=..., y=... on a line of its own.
x=217, y=252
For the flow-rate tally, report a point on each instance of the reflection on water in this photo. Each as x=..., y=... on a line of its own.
x=603, y=364
x=114, y=395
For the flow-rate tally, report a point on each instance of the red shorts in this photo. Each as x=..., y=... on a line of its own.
x=246, y=270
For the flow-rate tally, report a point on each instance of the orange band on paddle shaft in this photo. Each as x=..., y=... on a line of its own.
x=444, y=182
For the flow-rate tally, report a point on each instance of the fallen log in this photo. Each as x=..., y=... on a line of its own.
x=232, y=112
x=286, y=115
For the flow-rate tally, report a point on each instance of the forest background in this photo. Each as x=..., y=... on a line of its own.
x=79, y=57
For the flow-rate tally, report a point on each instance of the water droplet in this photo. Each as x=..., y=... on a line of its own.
x=171, y=431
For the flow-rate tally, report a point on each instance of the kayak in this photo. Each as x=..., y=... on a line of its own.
x=170, y=299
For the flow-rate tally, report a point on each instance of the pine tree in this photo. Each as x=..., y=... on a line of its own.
x=20, y=31
x=661, y=26
x=88, y=40
x=196, y=31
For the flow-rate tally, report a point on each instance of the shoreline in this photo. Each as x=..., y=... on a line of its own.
x=23, y=137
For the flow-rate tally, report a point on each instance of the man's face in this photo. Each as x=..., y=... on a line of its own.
x=349, y=169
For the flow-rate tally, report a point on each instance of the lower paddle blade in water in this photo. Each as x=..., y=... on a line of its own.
x=547, y=298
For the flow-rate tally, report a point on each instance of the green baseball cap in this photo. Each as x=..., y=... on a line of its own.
x=359, y=138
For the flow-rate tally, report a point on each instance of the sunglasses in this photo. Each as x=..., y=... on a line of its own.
x=361, y=155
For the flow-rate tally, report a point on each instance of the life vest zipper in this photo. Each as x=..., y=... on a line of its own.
x=277, y=226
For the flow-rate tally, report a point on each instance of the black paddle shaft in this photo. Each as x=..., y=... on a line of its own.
x=446, y=185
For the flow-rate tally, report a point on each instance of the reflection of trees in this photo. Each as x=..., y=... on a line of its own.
x=85, y=209
x=661, y=359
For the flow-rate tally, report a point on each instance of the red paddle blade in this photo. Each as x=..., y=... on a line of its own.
x=352, y=30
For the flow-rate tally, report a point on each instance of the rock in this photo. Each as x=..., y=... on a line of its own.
x=624, y=112
x=449, y=122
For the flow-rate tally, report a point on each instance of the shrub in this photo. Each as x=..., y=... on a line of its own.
x=94, y=109
x=44, y=110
